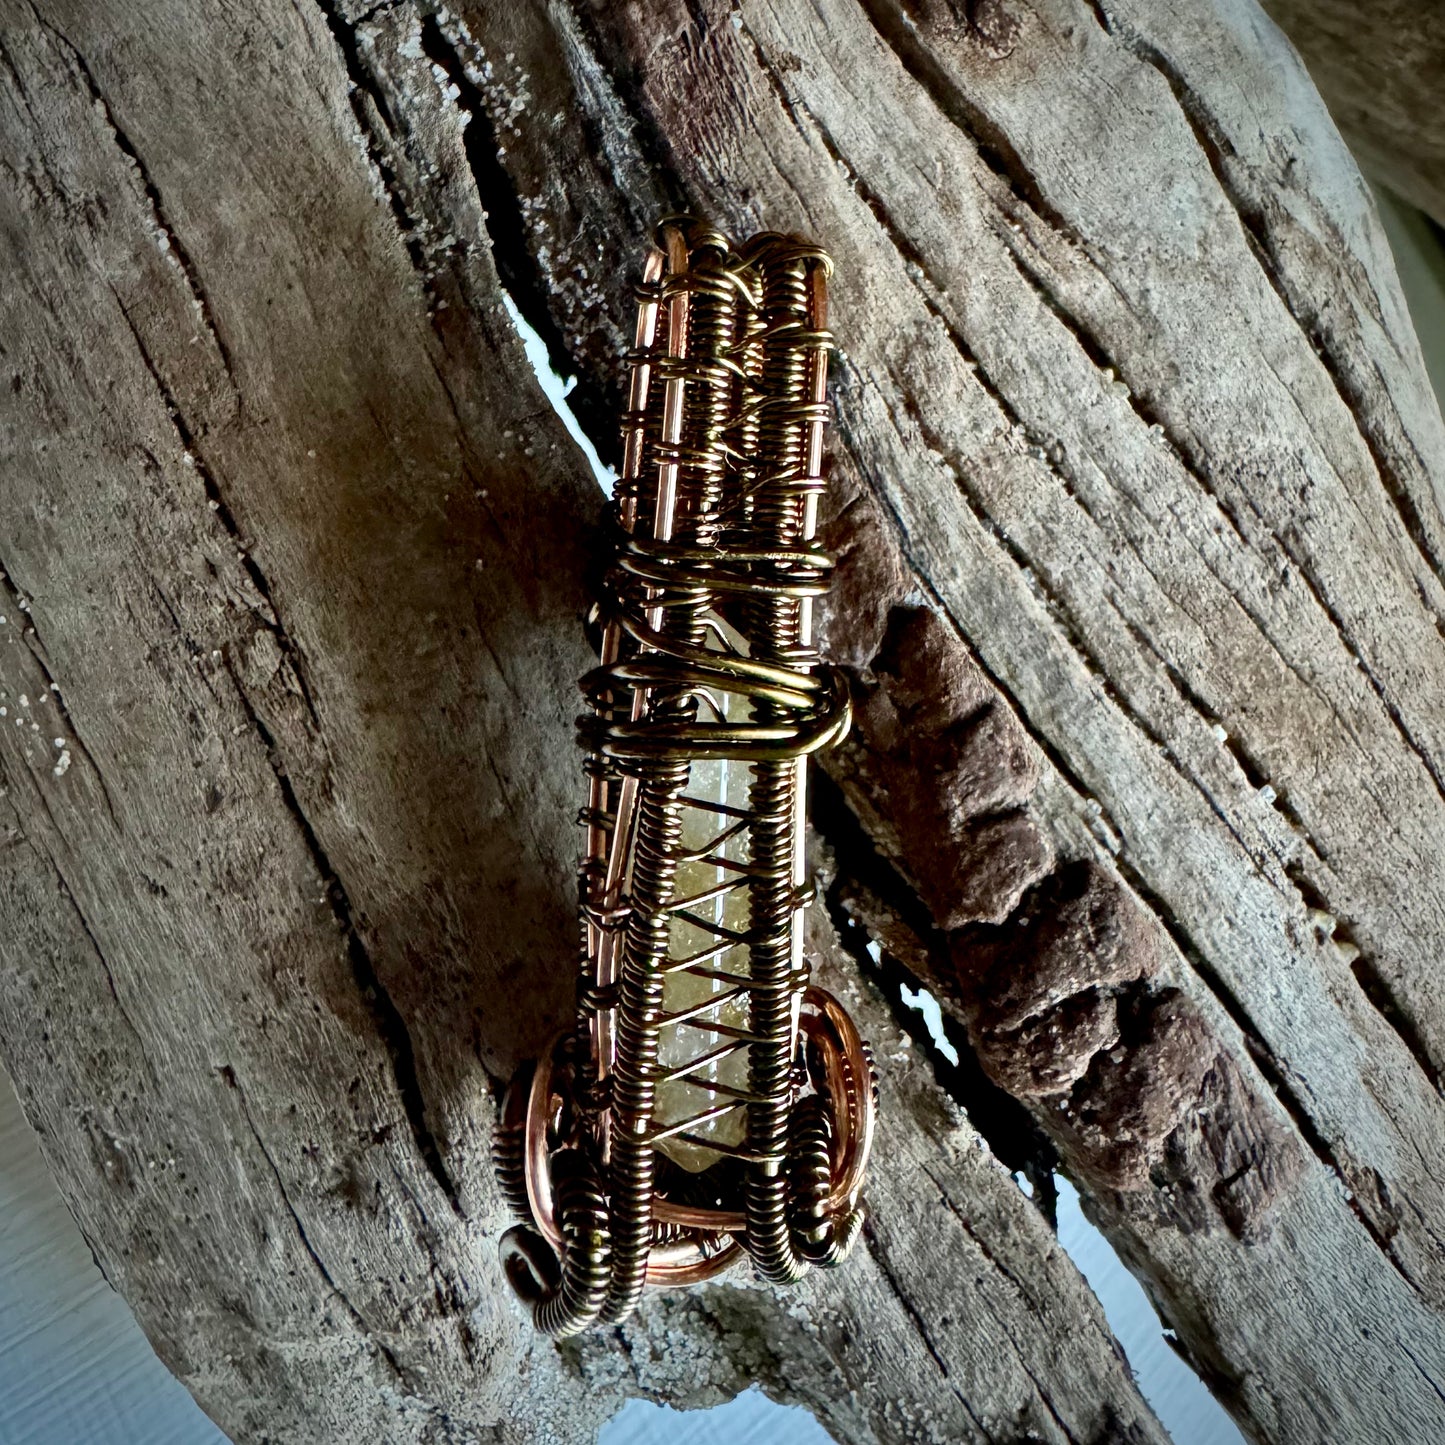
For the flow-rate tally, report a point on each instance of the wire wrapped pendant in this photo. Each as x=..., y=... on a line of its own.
x=710, y=1102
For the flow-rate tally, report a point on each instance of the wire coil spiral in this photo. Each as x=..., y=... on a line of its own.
x=709, y=1102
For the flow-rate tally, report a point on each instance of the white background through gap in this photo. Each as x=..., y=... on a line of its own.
x=76, y=1370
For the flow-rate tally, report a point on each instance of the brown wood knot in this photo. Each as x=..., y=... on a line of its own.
x=985, y=25
x=948, y=772
x=1055, y=969
x=1065, y=1006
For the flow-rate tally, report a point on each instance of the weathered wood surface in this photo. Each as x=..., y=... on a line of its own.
x=1154, y=434
x=1381, y=68
x=1135, y=446
x=292, y=530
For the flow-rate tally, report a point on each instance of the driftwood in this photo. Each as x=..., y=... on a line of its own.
x=1381, y=68
x=1140, y=509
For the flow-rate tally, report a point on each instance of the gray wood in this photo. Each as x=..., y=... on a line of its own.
x=298, y=540
x=1381, y=68
x=1134, y=447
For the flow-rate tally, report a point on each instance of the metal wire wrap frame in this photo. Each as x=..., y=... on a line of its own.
x=710, y=595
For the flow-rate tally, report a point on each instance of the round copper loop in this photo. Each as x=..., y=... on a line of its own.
x=674, y=1276
x=538, y=1174
x=854, y=1082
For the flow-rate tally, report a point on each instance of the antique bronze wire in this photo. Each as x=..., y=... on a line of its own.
x=707, y=662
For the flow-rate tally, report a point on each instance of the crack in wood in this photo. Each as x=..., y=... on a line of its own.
x=517, y=270
x=925, y=285
x=537, y=292
x=1366, y=971
x=980, y=1243
x=390, y=1025
x=1255, y=222
x=1263, y=1056
x=68, y=893
x=1391, y=706
x=1112, y=1429
x=174, y=246
x=1004, y=1123
x=1249, y=767
x=879, y=1255
x=901, y=35
x=1434, y=1384
x=36, y=647
x=190, y=448
x=1173, y=442
x=1376, y=988
x=365, y=89
x=1057, y=609
x=228, y=1076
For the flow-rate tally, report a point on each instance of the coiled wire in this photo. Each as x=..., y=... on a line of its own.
x=709, y=594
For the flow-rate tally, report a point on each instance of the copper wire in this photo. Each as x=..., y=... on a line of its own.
x=707, y=654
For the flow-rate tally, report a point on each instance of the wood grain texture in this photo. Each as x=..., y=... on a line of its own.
x=1128, y=406
x=299, y=544
x=1381, y=67
x=1155, y=437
